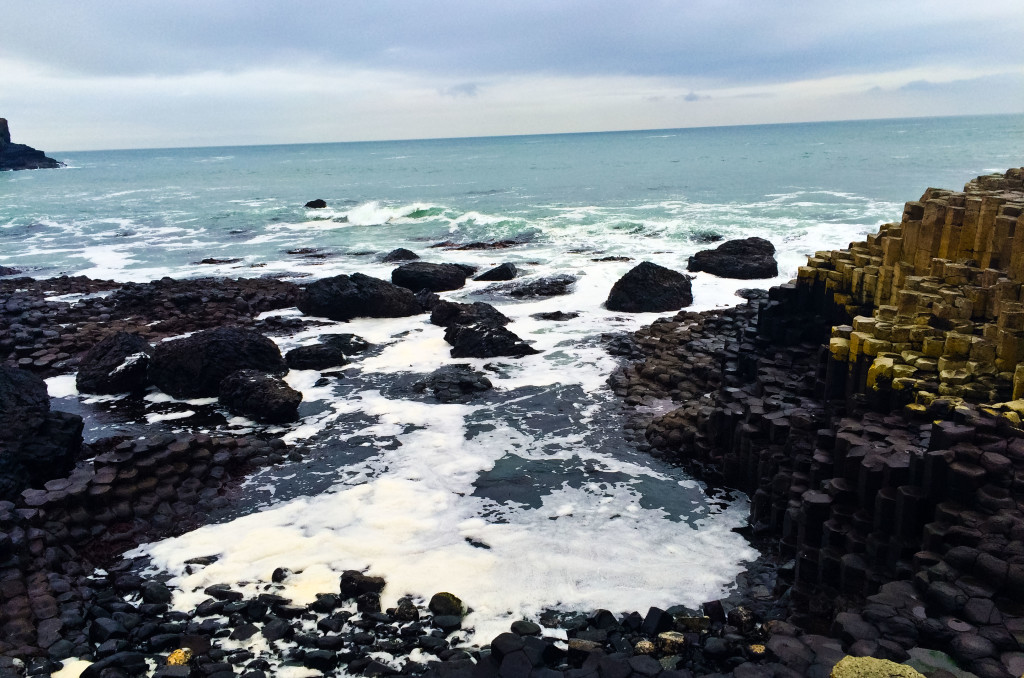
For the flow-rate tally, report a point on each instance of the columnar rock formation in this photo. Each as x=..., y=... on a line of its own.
x=934, y=301
x=871, y=411
x=19, y=156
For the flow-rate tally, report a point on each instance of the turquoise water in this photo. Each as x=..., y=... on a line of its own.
x=140, y=214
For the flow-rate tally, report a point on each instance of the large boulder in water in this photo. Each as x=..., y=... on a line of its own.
x=194, y=366
x=744, y=259
x=117, y=364
x=36, y=444
x=421, y=275
x=344, y=297
x=260, y=396
x=648, y=287
x=485, y=341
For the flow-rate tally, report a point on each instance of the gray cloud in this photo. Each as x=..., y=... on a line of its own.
x=730, y=41
x=466, y=89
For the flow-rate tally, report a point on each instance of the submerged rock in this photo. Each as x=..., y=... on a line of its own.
x=193, y=367
x=344, y=297
x=648, y=287
x=453, y=383
x=258, y=395
x=550, y=286
x=117, y=364
x=7, y=270
x=315, y=357
x=421, y=275
x=743, y=259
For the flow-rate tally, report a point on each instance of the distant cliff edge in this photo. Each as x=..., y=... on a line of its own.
x=19, y=156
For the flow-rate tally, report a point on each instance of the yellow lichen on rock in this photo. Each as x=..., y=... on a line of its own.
x=869, y=667
x=180, y=657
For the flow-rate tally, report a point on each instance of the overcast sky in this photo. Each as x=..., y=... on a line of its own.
x=128, y=74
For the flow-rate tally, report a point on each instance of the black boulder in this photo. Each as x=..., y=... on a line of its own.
x=194, y=366
x=421, y=275
x=648, y=287
x=261, y=396
x=344, y=297
x=117, y=364
x=744, y=259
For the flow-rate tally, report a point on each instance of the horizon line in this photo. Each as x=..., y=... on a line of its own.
x=540, y=134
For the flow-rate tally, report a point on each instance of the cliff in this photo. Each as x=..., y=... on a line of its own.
x=19, y=156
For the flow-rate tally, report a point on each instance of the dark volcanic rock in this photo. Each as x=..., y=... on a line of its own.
x=349, y=344
x=117, y=364
x=263, y=397
x=344, y=297
x=648, y=287
x=7, y=270
x=315, y=357
x=194, y=366
x=35, y=443
x=317, y=204
x=19, y=156
x=541, y=287
x=453, y=383
x=448, y=313
x=400, y=254
x=485, y=341
x=506, y=271
x=421, y=275
x=744, y=259
x=557, y=316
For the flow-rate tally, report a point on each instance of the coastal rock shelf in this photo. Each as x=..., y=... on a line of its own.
x=870, y=409
x=19, y=156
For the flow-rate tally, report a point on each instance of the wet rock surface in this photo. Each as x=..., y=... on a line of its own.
x=454, y=383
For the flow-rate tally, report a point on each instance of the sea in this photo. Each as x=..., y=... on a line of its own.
x=528, y=497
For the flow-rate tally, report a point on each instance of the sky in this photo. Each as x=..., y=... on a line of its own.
x=126, y=74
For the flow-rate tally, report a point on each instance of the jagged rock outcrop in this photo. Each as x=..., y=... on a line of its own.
x=344, y=297
x=19, y=156
x=400, y=254
x=447, y=313
x=648, y=287
x=744, y=259
x=194, y=366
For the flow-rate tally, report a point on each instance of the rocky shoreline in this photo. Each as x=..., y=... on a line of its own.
x=868, y=410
